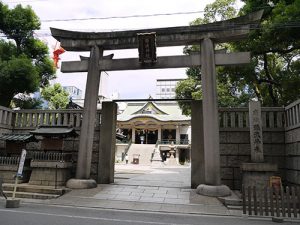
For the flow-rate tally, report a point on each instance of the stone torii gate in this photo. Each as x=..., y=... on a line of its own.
x=204, y=35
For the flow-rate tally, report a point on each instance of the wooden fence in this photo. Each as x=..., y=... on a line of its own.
x=292, y=115
x=50, y=156
x=6, y=115
x=30, y=119
x=271, y=201
x=272, y=118
x=232, y=118
x=34, y=118
x=9, y=160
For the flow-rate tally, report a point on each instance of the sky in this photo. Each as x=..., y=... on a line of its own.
x=138, y=84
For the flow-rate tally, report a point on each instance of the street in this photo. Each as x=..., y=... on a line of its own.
x=39, y=214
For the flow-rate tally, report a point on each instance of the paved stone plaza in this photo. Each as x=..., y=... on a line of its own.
x=138, y=187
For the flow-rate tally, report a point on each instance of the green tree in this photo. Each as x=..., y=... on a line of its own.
x=275, y=51
x=57, y=97
x=229, y=94
x=24, y=61
x=273, y=74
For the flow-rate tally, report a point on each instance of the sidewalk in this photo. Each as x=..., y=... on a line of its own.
x=144, y=188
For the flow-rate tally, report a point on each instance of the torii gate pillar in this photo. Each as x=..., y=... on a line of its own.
x=212, y=186
x=83, y=169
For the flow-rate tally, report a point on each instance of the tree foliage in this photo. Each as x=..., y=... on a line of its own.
x=275, y=51
x=24, y=62
x=228, y=94
x=273, y=74
x=24, y=101
x=57, y=97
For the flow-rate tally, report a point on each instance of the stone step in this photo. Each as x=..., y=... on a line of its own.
x=143, y=150
x=35, y=189
x=31, y=195
x=235, y=207
x=233, y=201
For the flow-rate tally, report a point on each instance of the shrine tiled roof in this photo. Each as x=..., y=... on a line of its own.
x=18, y=137
x=60, y=131
x=158, y=111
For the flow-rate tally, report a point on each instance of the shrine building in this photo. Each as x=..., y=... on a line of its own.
x=151, y=122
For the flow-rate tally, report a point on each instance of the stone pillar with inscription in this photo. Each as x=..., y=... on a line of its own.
x=257, y=172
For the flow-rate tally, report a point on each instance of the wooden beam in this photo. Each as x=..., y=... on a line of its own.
x=222, y=31
x=162, y=40
x=164, y=62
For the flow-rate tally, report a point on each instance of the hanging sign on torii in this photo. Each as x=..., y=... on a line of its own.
x=206, y=36
x=147, y=47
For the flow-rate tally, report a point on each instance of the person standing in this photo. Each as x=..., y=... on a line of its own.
x=126, y=158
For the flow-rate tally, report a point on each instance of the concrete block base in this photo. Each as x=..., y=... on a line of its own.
x=257, y=174
x=259, y=167
x=8, y=173
x=213, y=191
x=81, y=183
x=12, y=203
x=277, y=219
x=49, y=176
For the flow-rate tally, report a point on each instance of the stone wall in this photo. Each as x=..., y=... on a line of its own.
x=23, y=121
x=49, y=173
x=292, y=145
x=6, y=115
x=293, y=156
x=2, y=147
x=71, y=145
x=235, y=142
x=281, y=140
x=235, y=150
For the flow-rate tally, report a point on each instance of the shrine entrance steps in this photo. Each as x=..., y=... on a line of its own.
x=141, y=151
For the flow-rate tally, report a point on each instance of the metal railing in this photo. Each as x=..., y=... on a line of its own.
x=172, y=142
